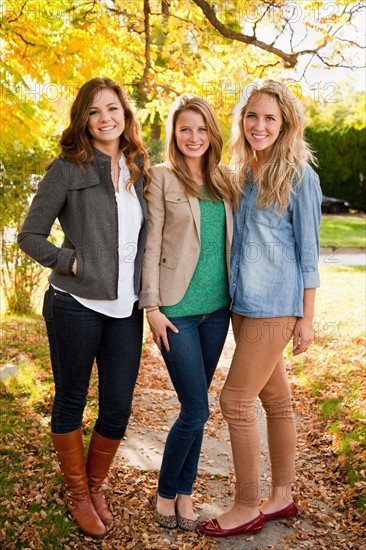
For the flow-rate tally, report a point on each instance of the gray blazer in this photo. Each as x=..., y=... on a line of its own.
x=84, y=202
x=173, y=242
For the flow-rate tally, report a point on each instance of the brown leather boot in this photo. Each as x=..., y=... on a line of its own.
x=100, y=456
x=70, y=454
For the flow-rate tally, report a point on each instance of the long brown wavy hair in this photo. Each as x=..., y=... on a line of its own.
x=77, y=143
x=216, y=174
x=290, y=152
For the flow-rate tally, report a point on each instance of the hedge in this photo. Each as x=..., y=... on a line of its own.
x=341, y=162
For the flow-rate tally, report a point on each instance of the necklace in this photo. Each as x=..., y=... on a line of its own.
x=115, y=172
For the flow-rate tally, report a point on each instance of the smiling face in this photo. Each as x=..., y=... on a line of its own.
x=106, y=121
x=191, y=134
x=262, y=123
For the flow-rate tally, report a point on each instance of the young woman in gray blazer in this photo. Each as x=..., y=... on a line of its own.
x=96, y=190
x=185, y=287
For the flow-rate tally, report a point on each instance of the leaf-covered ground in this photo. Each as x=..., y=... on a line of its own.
x=329, y=395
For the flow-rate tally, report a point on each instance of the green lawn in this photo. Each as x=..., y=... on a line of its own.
x=343, y=231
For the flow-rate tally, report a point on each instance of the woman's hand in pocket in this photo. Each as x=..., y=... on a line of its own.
x=74, y=267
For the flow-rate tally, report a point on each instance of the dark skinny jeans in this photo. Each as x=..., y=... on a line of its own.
x=77, y=336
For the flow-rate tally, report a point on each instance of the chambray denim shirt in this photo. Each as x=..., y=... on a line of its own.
x=273, y=258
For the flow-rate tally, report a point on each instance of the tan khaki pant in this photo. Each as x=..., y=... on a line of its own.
x=257, y=370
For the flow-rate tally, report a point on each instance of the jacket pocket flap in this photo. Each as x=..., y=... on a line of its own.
x=168, y=261
x=78, y=178
x=176, y=197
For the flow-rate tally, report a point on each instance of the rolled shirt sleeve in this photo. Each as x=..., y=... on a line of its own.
x=306, y=215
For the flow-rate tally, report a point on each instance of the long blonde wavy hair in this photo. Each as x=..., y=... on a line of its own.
x=216, y=175
x=285, y=166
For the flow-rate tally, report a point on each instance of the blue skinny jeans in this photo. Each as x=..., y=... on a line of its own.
x=191, y=362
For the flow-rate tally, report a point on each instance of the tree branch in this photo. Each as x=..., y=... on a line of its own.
x=20, y=13
x=144, y=86
x=289, y=59
x=24, y=40
x=147, y=38
x=352, y=43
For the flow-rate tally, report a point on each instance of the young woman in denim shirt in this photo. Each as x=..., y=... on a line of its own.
x=274, y=274
x=185, y=287
x=96, y=190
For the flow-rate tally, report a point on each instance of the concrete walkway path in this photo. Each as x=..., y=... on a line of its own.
x=342, y=256
x=143, y=448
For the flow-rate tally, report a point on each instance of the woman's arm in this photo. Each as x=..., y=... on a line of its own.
x=306, y=221
x=304, y=330
x=306, y=215
x=45, y=208
x=149, y=296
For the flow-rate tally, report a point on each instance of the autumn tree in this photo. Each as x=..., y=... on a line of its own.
x=160, y=48
x=20, y=274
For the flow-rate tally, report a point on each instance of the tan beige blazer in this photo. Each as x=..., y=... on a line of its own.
x=173, y=240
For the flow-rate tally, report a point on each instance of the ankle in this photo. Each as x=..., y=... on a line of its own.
x=281, y=493
x=165, y=506
x=184, y=500
x=245, y=509
x=184, y=506
x=237, y=515
x=280, y=498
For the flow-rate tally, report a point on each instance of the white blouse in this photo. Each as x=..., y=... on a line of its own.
x=130, y=219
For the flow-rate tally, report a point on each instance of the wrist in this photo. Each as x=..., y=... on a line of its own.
x=151, y=309
x=71, y=263
x=306, y=319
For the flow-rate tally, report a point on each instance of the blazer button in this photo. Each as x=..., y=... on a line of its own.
x=163, y=260
x=178, y=199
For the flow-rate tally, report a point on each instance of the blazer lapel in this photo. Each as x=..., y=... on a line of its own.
x=140, y=195
x=196, y=212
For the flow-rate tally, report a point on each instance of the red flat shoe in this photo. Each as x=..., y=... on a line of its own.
x=288, y=512
x=212, y=527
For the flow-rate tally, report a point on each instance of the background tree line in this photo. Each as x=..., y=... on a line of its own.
x=159, y=49
x=342, y=162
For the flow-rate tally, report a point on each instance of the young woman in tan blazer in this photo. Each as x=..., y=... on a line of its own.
x=185, y=287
